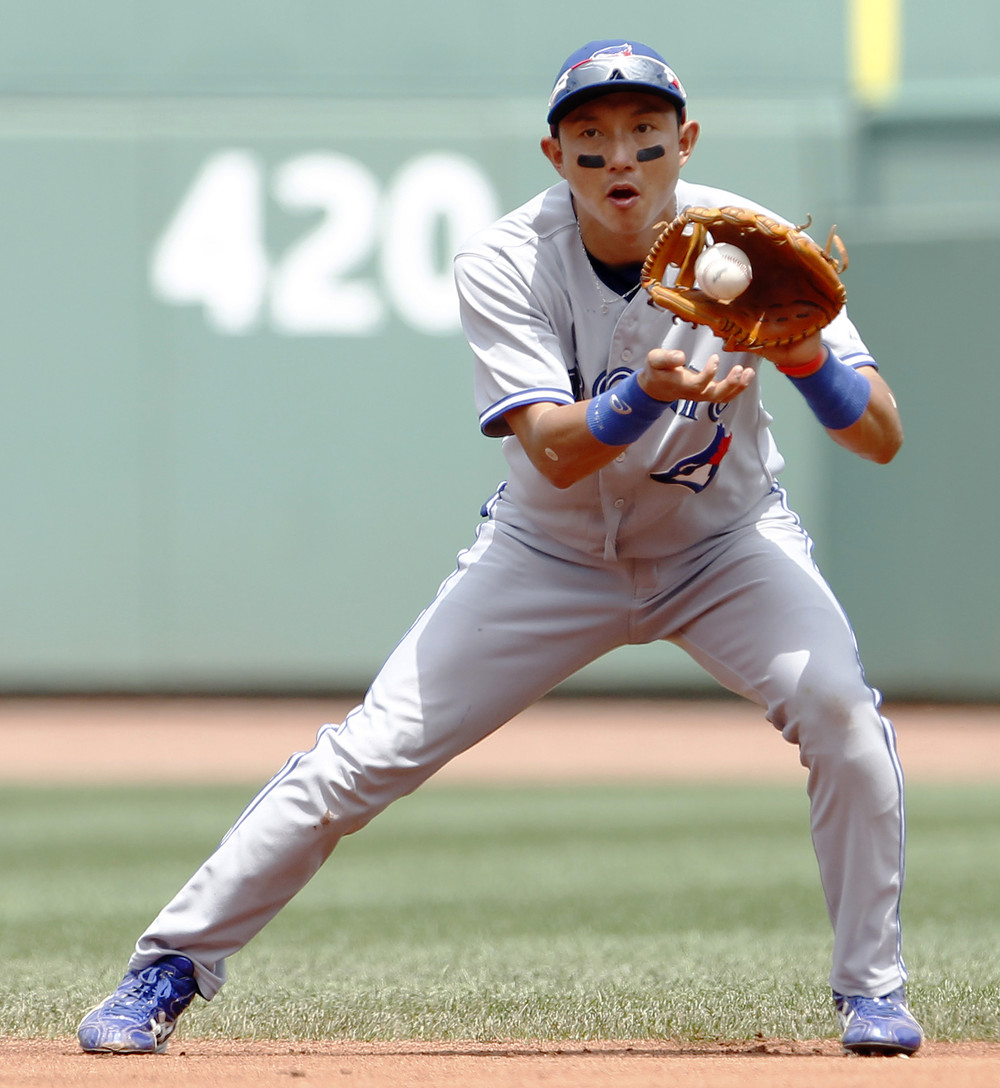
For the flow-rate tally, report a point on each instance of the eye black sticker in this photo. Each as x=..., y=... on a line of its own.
x=657, y=151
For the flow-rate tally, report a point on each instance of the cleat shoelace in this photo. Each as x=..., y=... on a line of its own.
x=873, y=1006
x=152, y=989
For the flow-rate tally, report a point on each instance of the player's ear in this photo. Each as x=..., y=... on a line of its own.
x=552, y=150
x=687, y=137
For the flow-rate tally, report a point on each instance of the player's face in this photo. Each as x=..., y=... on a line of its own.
x=622, y=186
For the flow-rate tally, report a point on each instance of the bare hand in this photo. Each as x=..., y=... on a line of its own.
x=666, y=377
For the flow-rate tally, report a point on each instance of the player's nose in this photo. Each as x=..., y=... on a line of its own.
x=620, y=153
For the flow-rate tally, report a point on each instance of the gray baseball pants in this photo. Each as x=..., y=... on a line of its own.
x=507, y=626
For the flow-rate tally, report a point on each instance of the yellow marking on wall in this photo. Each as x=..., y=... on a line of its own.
x=875, y=31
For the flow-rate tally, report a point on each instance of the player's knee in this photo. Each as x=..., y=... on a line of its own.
x=844, y=738
x=829, y=715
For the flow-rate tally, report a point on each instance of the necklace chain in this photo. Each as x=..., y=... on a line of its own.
x=599, y=285
x=606, y=303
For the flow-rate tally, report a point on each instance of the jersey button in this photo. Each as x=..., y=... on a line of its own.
x=620, y=458
x=626, y=355
x=619, y=503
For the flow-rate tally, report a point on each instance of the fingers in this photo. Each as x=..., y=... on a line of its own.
x=668, y=378
x=735, y=381
x=666, y=359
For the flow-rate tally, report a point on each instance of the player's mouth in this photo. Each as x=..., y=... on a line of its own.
x=623, y=196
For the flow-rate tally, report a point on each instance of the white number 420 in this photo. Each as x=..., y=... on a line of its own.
x=213, y=251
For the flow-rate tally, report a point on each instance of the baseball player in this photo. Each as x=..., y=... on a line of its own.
x=641, y=505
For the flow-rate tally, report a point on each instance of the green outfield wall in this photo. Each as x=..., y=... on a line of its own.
x=238, y=448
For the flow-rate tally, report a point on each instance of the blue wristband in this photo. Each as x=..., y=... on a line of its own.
x=837, y=393
x=623, y=413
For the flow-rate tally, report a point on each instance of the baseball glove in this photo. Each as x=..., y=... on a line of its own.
x=794, y=292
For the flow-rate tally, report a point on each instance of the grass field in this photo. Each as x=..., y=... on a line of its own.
x=689, y=912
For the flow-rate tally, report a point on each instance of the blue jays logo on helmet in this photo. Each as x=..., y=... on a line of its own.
x=698, y=471
x=623, y=50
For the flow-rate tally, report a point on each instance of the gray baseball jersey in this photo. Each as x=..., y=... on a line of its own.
x=543, y=328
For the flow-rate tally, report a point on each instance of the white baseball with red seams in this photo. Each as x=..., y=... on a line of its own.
x=723, y=271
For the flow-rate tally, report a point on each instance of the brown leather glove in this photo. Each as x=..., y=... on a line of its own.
x=795, y=290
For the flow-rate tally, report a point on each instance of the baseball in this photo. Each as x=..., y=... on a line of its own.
x=723, y=271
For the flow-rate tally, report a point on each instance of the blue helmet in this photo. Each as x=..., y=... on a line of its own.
x=613, y=65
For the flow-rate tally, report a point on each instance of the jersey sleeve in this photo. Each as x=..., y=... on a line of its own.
x=519, y=357
x=844, y=340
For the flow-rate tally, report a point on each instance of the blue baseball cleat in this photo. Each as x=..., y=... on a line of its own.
x=878, y=1025
x=140, y=1016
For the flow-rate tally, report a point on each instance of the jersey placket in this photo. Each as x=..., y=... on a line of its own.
x=617, y=481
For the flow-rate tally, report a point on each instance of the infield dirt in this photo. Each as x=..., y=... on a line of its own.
x=246, y=740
